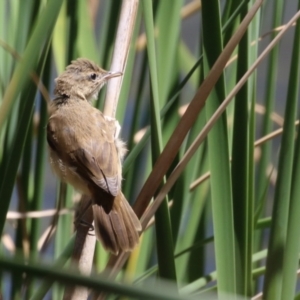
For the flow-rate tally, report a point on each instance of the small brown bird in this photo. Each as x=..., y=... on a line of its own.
x=85, y=151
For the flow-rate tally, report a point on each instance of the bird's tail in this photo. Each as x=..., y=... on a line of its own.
x=116, y=224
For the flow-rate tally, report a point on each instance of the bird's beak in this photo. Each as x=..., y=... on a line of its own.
x=111, y=74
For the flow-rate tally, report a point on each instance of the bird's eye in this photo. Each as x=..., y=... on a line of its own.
x=93, y=76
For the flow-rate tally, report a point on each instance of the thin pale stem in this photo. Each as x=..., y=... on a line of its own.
x=120, y=54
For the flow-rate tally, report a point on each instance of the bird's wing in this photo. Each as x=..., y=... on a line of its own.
x=90, y=152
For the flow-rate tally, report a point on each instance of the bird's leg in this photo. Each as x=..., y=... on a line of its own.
x=80, y=214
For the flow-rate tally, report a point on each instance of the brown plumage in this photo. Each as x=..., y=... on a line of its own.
x=85, y=152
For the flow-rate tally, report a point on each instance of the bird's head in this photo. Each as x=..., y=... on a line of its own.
x=82, y=78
